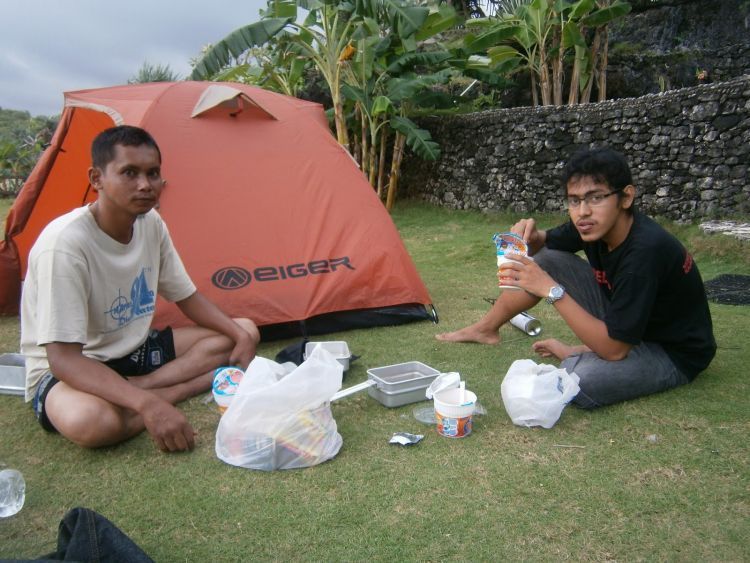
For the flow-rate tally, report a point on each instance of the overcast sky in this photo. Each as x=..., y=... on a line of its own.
x=48, y=47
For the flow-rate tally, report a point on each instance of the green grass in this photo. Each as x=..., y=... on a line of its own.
x=504, y=493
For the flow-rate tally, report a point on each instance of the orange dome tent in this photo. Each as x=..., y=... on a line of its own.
x=272, y=217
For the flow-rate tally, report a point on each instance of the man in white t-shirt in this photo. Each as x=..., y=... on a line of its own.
x=96, y=371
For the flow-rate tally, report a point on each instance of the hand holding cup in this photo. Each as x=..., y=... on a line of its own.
x=508, y=243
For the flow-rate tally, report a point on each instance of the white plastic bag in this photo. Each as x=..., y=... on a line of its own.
x=280, y=417
x=535, y=395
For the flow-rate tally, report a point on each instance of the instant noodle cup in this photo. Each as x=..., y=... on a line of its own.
x=226, y=382
x=508, y=243
x=454, y=411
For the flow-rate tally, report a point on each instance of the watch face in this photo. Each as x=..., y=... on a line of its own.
x=555, y=293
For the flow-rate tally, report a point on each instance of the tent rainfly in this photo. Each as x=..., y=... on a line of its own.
x=272, y=217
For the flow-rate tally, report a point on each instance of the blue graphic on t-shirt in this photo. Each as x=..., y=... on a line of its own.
x=141, y=302
x=141, y=296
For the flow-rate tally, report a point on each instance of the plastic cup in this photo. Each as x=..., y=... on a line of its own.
x=226, y=382
x=454, y=410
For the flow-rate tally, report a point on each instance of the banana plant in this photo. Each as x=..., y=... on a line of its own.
x=277, y=66
x=359, y=47
x=381, y=83
x=515, y=41
x=323, y=38
x=232, y=47
x=539, y=35
x=568, y=36
x=599, y=20
x=576, y=19
x=538, y=23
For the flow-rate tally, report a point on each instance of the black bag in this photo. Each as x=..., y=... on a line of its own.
x=294, y=353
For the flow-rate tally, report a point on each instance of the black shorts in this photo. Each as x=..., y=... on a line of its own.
x=157, y=350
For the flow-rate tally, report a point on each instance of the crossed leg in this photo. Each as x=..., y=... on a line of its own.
x=90, y=421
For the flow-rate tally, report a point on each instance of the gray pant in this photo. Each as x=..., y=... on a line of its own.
x=646, y=369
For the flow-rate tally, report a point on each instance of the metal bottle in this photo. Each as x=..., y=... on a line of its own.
x=525, y=322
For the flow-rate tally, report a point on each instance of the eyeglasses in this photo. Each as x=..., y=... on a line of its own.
x=592, y=200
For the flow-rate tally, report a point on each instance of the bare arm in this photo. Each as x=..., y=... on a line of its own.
x=592, y=332
x=167, y=425
x=204, y=313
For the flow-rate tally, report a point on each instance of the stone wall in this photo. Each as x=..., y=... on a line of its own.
x=663, y=45
x=689, y=151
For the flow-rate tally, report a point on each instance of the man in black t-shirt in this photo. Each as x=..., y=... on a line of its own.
x=641, y=314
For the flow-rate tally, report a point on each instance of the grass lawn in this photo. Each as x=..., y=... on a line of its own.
x=660, y=478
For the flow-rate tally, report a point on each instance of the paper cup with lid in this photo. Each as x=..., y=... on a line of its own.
x=508, y=243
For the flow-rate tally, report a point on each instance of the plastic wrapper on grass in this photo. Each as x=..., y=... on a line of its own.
x=405, y=439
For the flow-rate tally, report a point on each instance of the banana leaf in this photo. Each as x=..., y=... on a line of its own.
x=418, y=139
x=235, y=44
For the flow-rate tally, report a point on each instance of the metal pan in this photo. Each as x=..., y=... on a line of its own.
x=395, y=385
x=338, y=349
x=12, y=374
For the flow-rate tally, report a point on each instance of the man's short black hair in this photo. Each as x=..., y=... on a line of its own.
x=604, y=166
x=103, y=146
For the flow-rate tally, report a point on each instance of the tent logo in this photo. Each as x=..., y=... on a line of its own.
x=234, y=277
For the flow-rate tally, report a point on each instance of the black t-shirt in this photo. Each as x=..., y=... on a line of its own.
x=653, y=289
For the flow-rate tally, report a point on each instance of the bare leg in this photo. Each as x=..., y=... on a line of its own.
x=91, y=421
x=88, y=420
x=485, y=330
x=199, y=351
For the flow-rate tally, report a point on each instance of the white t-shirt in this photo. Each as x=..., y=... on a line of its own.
x=83, y=286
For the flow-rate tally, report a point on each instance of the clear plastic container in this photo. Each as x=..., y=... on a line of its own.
x=12, y=492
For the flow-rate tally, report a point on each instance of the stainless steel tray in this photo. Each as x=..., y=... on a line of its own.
x=403, y=377
x=12, y=374
x=395, y=385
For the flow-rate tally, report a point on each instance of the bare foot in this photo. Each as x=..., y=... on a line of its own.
x=553, y=348
x=473, y=333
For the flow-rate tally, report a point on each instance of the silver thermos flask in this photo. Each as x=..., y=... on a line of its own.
x=525, y=322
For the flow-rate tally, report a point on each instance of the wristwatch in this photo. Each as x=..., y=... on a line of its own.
x=556, y=293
